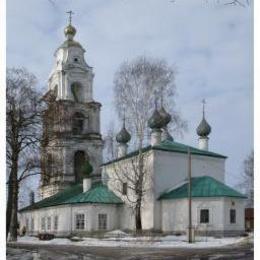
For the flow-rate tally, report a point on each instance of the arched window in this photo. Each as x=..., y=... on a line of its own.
x=79, y=160
x=77, y=123
x=77, y=91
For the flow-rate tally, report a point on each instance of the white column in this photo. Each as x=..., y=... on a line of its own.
x=156, y=137
x=121, y=150
x=86, y=184
x=203, y=143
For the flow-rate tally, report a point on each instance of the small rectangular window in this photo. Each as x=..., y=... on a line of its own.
x=232, y=216
x=43, y=223
x=80, y=221
x=124, y=188
x=49, y=223
x=204, y=216
x=102, y=221
x=32, y=224
x=56, y=220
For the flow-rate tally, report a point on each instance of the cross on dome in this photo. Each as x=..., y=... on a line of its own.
x=70, y=31
x=203, y=106
x=70, y=15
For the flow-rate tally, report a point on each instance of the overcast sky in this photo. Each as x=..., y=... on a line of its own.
x=209, y=44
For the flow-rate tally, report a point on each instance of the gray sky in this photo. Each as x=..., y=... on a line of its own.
x=210, y=45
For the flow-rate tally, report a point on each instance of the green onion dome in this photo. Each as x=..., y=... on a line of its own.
x=123, y=136
x=156, y=120
x=204, y=128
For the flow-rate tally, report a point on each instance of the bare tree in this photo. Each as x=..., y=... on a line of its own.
x=247, y=184
x=23, y=133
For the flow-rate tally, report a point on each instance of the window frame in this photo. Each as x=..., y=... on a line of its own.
x=204, y=219
x=49, y=223
x=80, y=223
x=56, y=222
x=232, y=218
x=32, y=224
x=102, y=223
x=43, y=223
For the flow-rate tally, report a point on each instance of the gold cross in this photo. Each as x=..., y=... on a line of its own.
x=70, y=16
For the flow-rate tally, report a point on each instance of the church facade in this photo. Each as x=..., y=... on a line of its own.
x=81, y=194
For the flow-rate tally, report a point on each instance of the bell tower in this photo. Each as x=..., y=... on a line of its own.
x=71, y=123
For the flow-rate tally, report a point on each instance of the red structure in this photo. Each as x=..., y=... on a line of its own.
x=249, y=219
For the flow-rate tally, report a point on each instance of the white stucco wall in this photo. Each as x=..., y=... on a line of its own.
x=165, y=170
x=66, y=218
x=175, y=214
x=172, y=168
x=114, y=181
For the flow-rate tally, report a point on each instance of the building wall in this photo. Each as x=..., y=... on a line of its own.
x=239, y=205
x=66, y=218
x=175, y=215
x=165, y=170
x=123, y=171
x=172, y=168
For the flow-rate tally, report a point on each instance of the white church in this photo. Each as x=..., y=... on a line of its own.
x=81, y=194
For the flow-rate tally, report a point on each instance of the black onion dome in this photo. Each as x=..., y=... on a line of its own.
x=166, y=117
x=204, y=128
x=123, y=136
x=156, y=120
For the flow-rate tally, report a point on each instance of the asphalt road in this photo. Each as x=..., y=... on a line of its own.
x=66, y=252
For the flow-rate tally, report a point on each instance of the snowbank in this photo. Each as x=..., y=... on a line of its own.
x=116, y=233
x=159, y=242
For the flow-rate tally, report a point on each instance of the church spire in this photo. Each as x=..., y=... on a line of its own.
x=70, y=30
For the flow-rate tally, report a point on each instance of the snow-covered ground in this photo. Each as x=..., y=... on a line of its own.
x=121, y=239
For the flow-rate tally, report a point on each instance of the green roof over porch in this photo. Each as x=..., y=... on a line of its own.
x=99, y=193
x=202, y=187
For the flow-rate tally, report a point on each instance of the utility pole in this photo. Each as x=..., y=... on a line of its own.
x=189, y=196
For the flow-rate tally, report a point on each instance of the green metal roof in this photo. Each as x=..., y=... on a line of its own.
x=99, y=193
x=171, y=146
x=204, y=186
x=182, y=148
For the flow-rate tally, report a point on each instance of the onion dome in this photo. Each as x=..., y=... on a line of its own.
x=166, y=117
x=156, y=120
x=123, y=136
x=204, y=128
x=70, y=31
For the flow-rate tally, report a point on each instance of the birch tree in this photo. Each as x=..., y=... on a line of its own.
x=136, y=86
